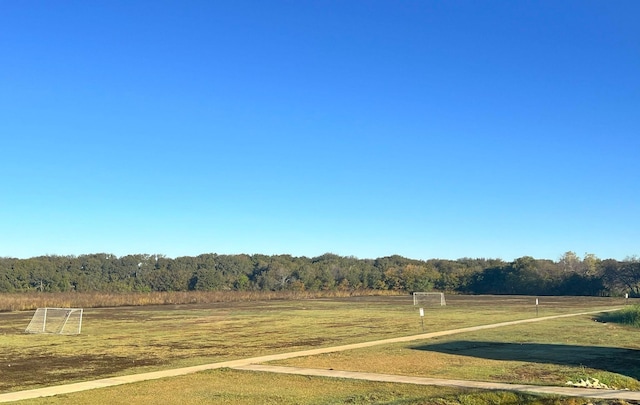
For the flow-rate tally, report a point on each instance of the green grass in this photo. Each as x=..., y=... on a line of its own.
x=233, y=387
x=629, y=316
x=546, y=353
x=119, y=341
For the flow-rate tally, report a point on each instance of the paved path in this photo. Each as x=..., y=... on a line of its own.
x=534, y=389
x=243, y=363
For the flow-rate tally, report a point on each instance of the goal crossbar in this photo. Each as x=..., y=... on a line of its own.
x=433, y=298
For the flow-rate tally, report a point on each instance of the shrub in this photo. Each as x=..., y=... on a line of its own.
x=629, y=316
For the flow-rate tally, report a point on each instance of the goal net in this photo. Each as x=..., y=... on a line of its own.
x=64, y=321
x=429, y=298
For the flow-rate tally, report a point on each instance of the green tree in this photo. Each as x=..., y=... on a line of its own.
x=570, y=262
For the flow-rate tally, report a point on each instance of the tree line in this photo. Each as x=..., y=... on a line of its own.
x=569, y=275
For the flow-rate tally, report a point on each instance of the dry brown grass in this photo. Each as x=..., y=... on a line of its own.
x=33, y=300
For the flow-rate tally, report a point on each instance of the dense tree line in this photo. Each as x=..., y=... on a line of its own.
x=569, y=275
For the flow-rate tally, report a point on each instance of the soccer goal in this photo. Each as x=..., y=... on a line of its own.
x=63, y=321
x=429, y=298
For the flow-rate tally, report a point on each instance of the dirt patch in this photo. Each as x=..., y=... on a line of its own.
x=38, y=371
x=297, y=344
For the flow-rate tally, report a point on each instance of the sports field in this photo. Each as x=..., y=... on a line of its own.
x=120, y=341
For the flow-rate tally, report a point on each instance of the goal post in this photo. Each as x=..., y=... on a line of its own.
x=62, y=321
x=429, y=298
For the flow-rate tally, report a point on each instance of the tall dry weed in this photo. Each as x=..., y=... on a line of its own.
x=33, y=300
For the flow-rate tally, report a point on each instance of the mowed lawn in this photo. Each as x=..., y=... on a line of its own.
x=117, y=341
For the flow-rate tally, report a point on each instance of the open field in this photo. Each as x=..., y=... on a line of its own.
x=118, y=341
x=235, y=387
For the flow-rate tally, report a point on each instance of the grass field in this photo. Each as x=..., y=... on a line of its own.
x=126, y=340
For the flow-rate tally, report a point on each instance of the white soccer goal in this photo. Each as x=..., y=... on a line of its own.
x=429, y=298
x=63, y=321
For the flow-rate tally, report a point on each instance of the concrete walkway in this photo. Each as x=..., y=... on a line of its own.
x=533, y=389
x=243, y=363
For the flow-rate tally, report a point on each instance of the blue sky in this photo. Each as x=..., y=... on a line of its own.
x=428, y=129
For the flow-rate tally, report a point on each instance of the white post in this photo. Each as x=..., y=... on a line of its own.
x=80, y=323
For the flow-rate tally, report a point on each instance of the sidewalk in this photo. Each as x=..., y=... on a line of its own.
x=533, y=389
x=242, y=363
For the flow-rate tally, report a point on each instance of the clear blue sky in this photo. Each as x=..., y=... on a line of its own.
x=428, y=129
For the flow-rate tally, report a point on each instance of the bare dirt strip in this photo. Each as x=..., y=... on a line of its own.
x=253, y=362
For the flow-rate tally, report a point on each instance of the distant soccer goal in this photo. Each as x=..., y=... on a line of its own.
x=429, y=298
x=63, y=321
